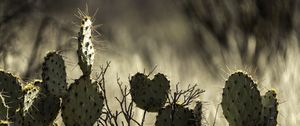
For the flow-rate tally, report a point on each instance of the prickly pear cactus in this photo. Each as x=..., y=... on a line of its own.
x=149, y=95
x=11, y=91
x=241, y=102
x=175, y=115
x=269, y=111
x=3, y=110
x=85, y=50
x=54, y=74
x=83, y=104
x=198, y=113
x=40, y=107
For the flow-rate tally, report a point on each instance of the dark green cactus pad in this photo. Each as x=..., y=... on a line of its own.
x=18, y=119
x=54, y=74
x=149, y=95
x=10, y=88
x=40, y=106
x=85, y=52
x=241, y=102
x=198, y=113
x=175, y=115
x=269, y=111
x=83, y=104
x=3, y=110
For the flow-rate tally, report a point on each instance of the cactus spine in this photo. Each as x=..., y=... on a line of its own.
x=40, y=107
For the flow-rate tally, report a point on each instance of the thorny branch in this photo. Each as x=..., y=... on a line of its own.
x=109, y=117
x=126, y=106
x=187, y=96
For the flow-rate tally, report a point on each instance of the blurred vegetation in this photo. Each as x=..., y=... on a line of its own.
x=268, y=22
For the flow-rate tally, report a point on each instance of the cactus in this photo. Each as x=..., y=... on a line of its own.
x=3, y=110
x=39, y=102
x=198, y=113
x=241, y=102
x=175, y=115
x=83, y=93
x=269, y=111
x=54, y=74
x=149, y=95
x=83, y=104
x=243, y=105
x=85, y=50
x=11, y=89
x=40, y=107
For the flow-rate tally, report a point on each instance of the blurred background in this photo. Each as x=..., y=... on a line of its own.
x=191, y=41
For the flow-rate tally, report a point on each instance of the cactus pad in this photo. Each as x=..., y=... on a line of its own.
x=54, y=74
x=85, y=50
x=269, y=111
x=149, y=95
x=176, y=115
x=10, y=89
x=241, y=102
x=198, y=113
x=18, y=119
x=40, y=106
x=83, y=104
x=3, y=110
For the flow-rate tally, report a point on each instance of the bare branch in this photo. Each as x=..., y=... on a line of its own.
x=110, y=117
x=187, y=96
